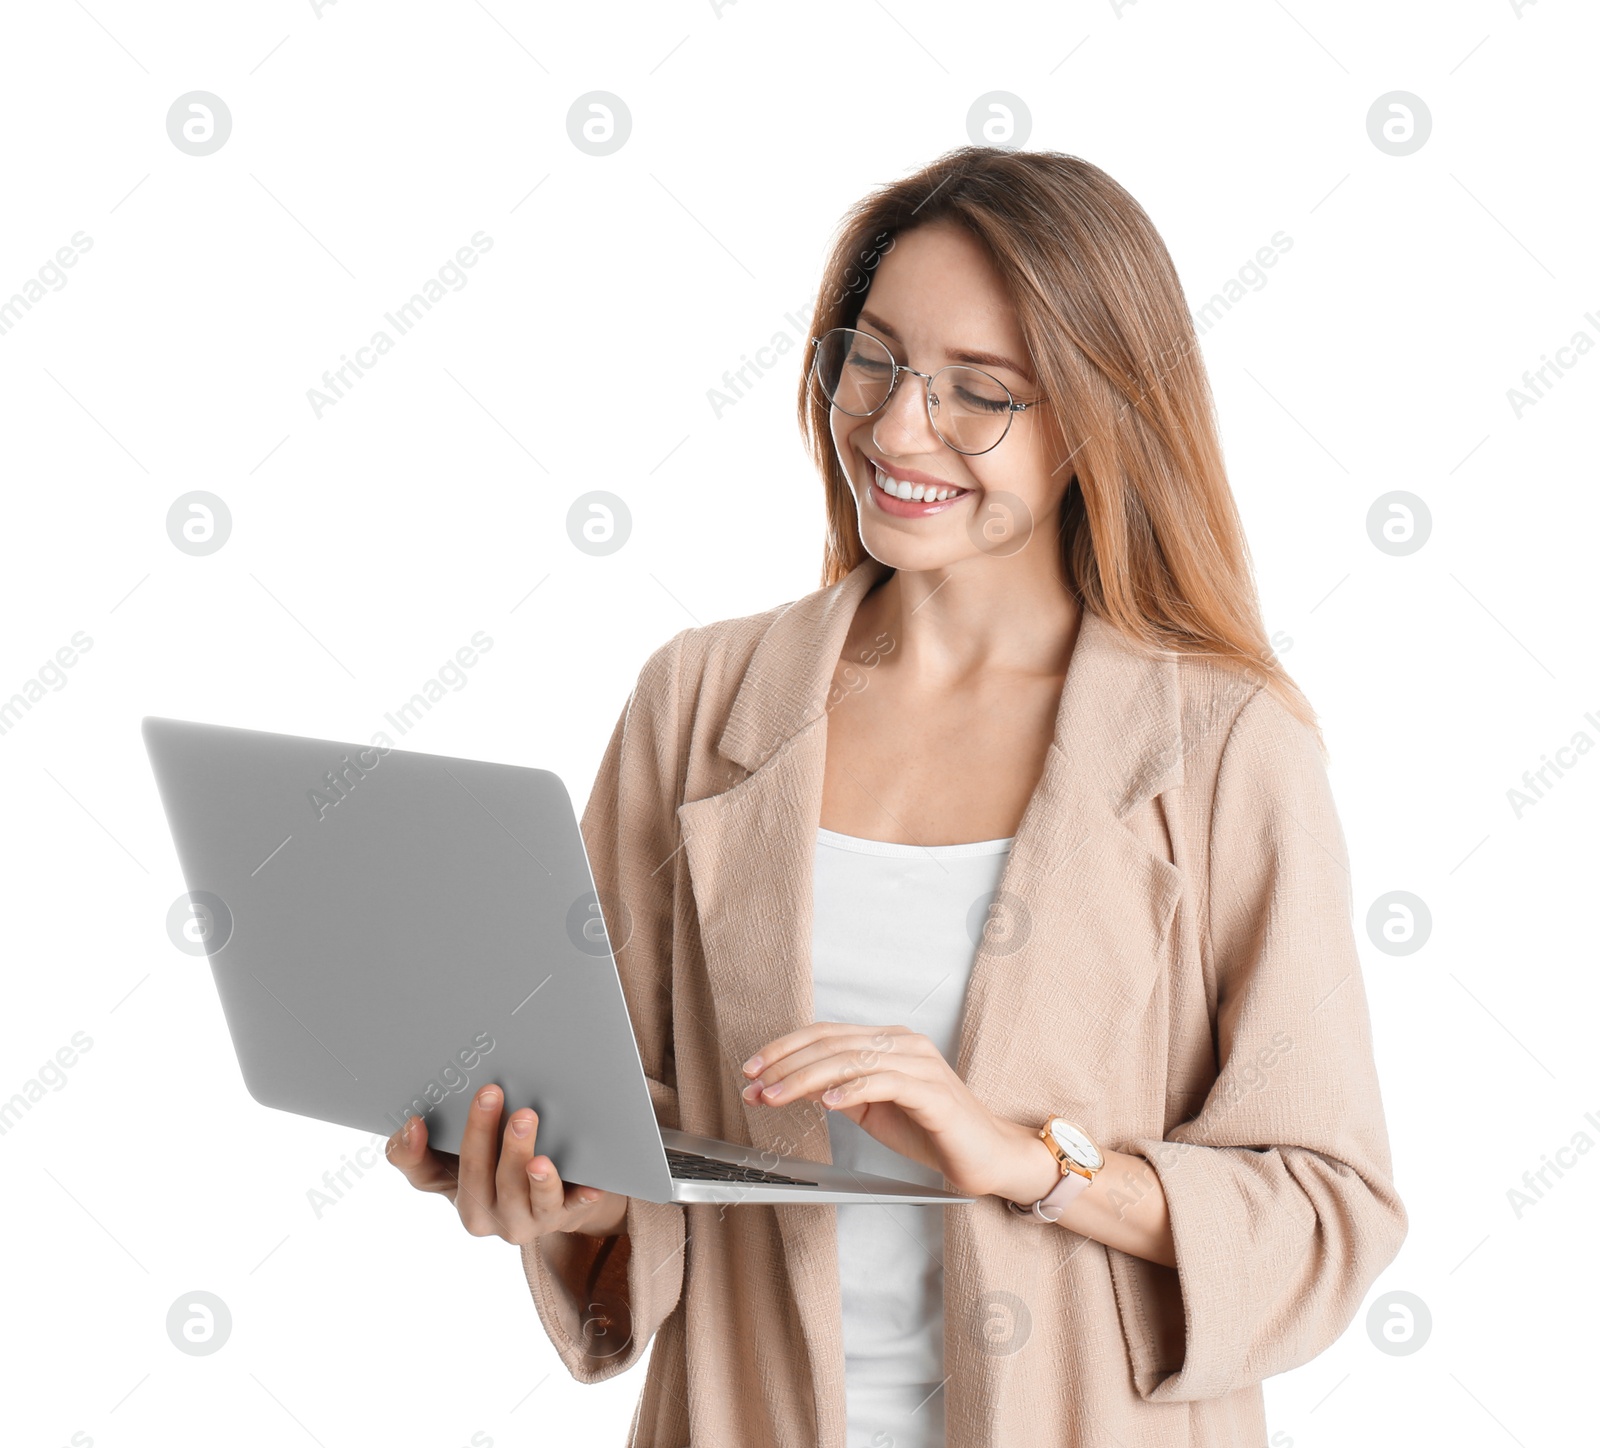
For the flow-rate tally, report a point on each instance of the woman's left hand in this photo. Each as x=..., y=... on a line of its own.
x=895, y=1085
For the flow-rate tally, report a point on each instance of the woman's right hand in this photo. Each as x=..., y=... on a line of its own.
x=497, y=1184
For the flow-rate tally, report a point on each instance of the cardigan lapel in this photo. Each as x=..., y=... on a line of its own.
x=1075, y=940
x=1077, y=933
x=750, y=848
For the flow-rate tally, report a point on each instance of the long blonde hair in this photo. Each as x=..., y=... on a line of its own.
x=1150, y=539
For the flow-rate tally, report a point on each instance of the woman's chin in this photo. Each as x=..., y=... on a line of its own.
x=933, y=540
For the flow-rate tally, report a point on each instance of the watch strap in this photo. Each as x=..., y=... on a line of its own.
x=1049, y=1207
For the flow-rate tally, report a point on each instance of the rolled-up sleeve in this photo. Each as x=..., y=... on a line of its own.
x=1279, y=1191
x=601, y=1301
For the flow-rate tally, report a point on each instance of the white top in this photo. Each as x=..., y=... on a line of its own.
x=895, y=930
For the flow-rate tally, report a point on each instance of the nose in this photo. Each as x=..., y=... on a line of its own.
x=904, y=426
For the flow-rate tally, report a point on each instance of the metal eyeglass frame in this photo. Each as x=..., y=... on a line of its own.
x=1012, y=409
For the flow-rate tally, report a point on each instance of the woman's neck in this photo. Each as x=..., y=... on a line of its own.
x=981, y=616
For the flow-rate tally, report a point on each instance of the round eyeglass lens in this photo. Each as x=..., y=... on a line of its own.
x=855, y=371
x=970, y=409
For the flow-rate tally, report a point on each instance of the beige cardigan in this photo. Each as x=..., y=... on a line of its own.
x=1177, y=973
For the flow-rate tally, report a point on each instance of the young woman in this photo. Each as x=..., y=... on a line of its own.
x=1008, y=858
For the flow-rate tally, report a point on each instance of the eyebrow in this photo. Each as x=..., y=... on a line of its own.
x=956, y=354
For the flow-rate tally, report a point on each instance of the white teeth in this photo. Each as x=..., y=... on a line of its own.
x=911, y=492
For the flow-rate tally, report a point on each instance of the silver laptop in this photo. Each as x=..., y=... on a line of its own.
x=389, y=931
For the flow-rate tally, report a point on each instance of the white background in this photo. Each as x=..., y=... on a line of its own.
x=367, y=545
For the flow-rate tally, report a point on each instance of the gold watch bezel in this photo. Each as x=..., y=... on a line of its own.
x=1065, y=1162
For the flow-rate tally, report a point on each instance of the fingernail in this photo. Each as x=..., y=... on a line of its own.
x=753, y=1064
x=408, y=1130
x=539, y=1176
x=751, y=1091
x=520, y=1126
x=773, y=1092
x=488, y=1100
x=833, y=1096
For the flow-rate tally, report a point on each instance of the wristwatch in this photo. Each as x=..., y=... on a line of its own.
x=1079, y=1159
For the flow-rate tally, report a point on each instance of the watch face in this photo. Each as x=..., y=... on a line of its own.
x=1076, y=1145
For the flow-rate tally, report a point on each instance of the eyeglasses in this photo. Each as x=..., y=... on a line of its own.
x=969, y=410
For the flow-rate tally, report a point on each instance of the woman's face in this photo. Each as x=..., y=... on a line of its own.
x=936, y=300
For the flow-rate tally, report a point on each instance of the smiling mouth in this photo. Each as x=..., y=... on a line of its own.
x=913, y=492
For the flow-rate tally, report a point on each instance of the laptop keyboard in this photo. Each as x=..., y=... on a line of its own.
x=690, y=1167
